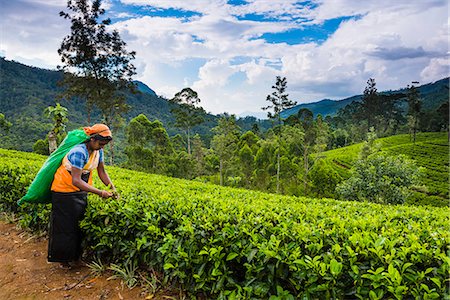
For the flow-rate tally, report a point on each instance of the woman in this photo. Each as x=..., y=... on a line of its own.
x=71, y=183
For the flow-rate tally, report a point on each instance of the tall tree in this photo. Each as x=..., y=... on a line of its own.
x=225, y=143
x=414, y=107
x=280, y=101
x=59, y=116
x=96, y=62
x=370, y=103
x=149, y=145
x=186, y=112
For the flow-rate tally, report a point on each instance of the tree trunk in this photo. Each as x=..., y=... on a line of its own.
x=221, y=172
x=52, y=145
x=278, y=171
x=415, y=129
x=88, y=108
x=306, y=166
x=111, y=155
x=188, y=142
x=278, y=156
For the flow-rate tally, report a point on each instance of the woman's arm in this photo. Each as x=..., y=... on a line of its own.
x=104, y=176
x=79, y=183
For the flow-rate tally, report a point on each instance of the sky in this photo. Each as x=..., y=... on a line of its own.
x=230, y=52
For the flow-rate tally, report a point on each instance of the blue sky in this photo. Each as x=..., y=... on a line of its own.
x=231, y=51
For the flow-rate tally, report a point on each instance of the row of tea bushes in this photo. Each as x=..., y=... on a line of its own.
x=235, y=244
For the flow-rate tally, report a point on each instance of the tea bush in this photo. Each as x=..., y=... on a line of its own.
x=231, y=243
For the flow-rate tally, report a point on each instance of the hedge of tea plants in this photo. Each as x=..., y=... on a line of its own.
x=226, y=243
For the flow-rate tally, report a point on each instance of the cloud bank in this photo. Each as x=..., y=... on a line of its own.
x=231, y=51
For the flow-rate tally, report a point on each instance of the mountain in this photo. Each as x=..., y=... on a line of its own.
x=259, y=114
x=143, y=88
x=26, y=91
x=432, y=95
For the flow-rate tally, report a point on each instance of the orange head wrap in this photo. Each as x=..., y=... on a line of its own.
x=100, y=129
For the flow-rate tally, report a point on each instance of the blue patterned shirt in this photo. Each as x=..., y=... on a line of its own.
x=78, y=156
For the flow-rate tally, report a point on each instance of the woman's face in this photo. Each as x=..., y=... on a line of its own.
x=97, y=144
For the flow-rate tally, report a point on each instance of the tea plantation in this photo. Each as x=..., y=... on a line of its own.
x=225, y=243
x=431, y=152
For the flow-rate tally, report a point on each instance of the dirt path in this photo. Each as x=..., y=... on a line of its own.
x=26, y=274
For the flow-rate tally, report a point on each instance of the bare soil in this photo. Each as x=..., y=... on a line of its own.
x=26, y=274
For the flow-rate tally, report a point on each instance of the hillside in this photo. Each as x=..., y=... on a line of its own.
x=233, y=243
x=26, y=91
x=430, y=152
x=432, y=95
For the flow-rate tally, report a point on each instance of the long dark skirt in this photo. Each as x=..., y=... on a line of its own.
x=65, y=236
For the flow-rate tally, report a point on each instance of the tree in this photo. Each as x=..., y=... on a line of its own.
x=443, y=113
x=280, y=101
x=101, y=65
x=291, y=159
x=4, y=124
x=225, y=143
x=315, y=141
x=149, y=145
x=391, y=115
x=198, y=153
x=370, y=103
x=379, y=178
x=247, y=161
x=414, y=107
x=186, y=113
x=59, y=116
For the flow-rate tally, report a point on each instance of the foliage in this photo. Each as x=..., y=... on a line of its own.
x=127, y=273
x=59, y=116
x=279, y=101
x=97, y=267
x=26, y=91
x=430, y=153
x=186, y=113
x=414, y=107
x=225, y=144
x=228, y=243
x=4, y=124
x=324, y=180
x=380, y=179
x=101, y=64
x=41, y=147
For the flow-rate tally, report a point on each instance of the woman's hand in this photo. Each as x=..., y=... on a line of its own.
x=106, y=194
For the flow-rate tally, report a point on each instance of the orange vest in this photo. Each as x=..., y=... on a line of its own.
x=62, y=181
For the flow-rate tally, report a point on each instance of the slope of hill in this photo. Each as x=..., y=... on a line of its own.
x=430, y=152
x=26, y=91
x=432, y=96
x=143, y=88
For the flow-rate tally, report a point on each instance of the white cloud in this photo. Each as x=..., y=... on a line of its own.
x=437, y=68
x=226, y=59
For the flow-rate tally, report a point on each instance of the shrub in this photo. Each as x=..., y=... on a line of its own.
x=380, y=179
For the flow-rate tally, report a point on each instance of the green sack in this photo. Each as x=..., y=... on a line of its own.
x=39, y=190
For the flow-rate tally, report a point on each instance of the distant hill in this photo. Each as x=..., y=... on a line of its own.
x=432, y=95
x=26, y=91
x=143, y=88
